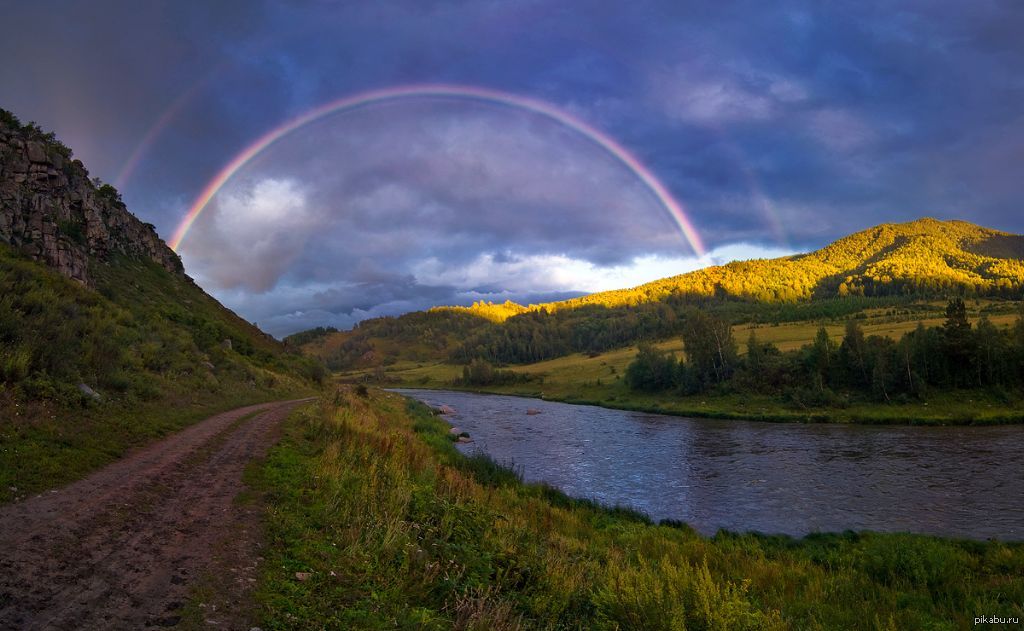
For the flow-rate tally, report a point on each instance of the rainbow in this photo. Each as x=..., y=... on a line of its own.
x=157, y=128
x=623, y=155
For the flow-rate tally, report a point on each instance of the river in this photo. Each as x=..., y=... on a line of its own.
x=754, y=476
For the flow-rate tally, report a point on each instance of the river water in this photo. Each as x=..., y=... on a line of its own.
x=753, y=476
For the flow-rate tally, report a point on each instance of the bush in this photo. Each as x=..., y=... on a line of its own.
x=652, y=370
x=14, y=364
x=914, y=562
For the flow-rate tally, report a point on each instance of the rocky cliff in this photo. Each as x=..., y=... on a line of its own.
x=51, y=211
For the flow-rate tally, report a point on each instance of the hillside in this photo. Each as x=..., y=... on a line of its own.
x=923, y=257
x=891, y=265
x=99, y=324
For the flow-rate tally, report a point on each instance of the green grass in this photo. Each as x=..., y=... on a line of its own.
x=150, y=342
x=50, y=445
x=599, y=380
x=397, y=530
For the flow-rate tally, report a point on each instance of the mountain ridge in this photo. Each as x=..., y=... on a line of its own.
x=893, y=262
x=882, y=260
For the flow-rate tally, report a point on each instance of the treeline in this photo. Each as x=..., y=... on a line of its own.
x=460, y=336
x=416, y=336
x=481, y=373
x=955, y=355
x=539, y=335
x=309, y=335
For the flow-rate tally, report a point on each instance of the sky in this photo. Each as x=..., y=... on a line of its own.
x=775, y=126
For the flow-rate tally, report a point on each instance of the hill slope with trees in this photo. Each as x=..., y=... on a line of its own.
x=885, y=266
x=100, y=324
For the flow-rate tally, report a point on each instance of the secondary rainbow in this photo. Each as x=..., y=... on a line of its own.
x=623, y=155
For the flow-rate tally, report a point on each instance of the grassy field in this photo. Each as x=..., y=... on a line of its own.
x=375, y=521
x=599, y=380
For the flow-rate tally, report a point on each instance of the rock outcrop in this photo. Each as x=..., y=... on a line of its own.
x=51, y=211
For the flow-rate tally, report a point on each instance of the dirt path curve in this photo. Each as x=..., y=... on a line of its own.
x=121, y=548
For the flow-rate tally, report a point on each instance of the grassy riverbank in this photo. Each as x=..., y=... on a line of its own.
x=376, y=521
x=599, y=380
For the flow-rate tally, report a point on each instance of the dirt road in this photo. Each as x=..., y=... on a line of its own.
x=122, y=548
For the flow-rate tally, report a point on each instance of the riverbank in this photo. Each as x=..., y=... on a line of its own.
x=374, y=519
x=597, y=381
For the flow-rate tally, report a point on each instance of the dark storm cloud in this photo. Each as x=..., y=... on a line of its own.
x=775, y=123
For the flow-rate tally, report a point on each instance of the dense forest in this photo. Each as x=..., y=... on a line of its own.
x=892, y=265
x=955, y=355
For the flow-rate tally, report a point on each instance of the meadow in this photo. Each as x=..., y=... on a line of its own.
x=599, y=378
x=374, y=520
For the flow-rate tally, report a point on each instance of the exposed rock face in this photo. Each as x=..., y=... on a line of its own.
x=51, y=211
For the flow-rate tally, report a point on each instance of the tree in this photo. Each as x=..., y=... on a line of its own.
x=710, y=348
x=652, y=370
x=989, y=353
x=959, y=343
x=820, y=358
x=853, y=354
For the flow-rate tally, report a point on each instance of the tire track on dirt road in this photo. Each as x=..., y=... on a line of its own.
x=121, y=548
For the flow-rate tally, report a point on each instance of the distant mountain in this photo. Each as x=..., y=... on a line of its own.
x=924, y=258
x=94, y=307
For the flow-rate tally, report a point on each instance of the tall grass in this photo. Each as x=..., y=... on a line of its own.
x=399, y=530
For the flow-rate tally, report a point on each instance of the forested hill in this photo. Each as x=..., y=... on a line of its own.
x=923, y=257
x=881, y=266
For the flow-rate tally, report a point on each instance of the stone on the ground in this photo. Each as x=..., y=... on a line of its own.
x=89, y=392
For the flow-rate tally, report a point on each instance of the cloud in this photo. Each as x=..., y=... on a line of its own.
x=775, y=123
x=251, y=233
x=383, y=190
x=373, y=292
x=840, y=130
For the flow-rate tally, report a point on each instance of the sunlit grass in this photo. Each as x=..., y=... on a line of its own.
x=398, y=530
x=599, y=379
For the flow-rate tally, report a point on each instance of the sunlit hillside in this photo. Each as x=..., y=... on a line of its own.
x=926, y=256
x=891, y=265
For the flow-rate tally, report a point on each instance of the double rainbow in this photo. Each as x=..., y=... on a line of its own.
x=623, y=155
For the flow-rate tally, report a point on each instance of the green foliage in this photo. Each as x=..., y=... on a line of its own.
x=311, y=335
x=890, y=265
x=822, y=374
x=652, y=370
x=72, y=230
x=398, y=530
x=34, y=132
x=8, y=119
x=109, y=194
x=710, y=348
x=143, y=336
x=481, y=373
